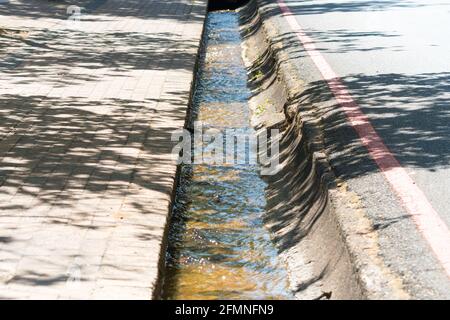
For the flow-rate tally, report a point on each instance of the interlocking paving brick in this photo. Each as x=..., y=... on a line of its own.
x=86, y=114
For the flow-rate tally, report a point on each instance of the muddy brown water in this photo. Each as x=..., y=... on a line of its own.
x=218, y=245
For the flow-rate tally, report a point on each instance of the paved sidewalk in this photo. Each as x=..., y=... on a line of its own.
x=86, y=113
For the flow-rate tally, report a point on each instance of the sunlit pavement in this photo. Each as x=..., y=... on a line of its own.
x=87, y=108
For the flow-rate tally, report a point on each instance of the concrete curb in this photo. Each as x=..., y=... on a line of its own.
x=329, y=244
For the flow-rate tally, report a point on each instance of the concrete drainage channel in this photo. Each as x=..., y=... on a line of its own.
x=218, y=246
x=237, y=235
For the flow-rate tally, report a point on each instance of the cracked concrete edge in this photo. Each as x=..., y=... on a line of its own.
x=360, y=239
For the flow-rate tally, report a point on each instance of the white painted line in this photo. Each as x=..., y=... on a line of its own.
x=429, y=223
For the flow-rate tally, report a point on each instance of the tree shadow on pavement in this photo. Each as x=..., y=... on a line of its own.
x=38, y=9
x=84, y=166
x=86, y=116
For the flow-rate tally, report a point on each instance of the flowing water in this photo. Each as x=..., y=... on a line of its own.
x=218, y=245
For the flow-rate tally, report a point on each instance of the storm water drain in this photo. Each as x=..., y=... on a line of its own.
x=218, y=247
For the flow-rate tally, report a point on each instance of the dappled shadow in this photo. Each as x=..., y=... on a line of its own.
x=77, y=55
x=81, y=166
x=351, y=41
x=86, y=117
x=343, y=40
x=174, y=9
x=36, y=9
x=89, y=45
x=410, y=112
x=318, y=7
x=54, y=148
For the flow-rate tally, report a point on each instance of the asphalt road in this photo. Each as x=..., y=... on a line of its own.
x=394, y=57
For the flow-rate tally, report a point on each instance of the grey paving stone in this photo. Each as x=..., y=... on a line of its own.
x=86, y=113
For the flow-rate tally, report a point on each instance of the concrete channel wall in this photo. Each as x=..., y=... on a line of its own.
x=328, y=244
x=322, y=235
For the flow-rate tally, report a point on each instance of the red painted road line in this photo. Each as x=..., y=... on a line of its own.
x=427, y=220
